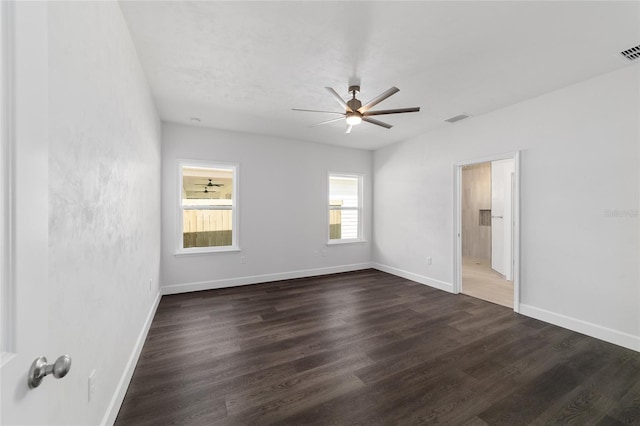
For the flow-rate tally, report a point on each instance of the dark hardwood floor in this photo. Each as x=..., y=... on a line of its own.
x=370, y=348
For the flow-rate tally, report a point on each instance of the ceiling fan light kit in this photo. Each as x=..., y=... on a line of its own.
x=354, y=118
x=355, y=113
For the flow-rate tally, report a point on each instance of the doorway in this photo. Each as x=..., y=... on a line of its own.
x=487, y=229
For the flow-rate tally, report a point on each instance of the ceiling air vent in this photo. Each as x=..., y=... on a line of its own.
x=457, y=118
x=631, y=54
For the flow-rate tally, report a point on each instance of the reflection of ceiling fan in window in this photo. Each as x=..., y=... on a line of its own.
x=195, y=190
x=210, y=184
x=207, y=192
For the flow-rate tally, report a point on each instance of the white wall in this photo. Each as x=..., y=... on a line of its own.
x=283, y=210
x=579, y=186
x=104, y=204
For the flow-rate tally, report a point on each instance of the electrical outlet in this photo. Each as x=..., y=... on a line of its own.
x=91, y=385
x=428, y=260
x=243, y=259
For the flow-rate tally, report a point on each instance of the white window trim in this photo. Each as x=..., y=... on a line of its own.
x=360, y=209
x=235, y=234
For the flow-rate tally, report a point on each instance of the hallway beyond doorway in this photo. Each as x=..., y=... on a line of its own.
x=484, y=283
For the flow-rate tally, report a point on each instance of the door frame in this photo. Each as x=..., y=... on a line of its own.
x=457, y=228
x=6, y=164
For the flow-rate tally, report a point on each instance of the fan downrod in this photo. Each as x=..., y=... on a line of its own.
x=354, y=103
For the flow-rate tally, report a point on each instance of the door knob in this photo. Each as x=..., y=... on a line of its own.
x=40, y=368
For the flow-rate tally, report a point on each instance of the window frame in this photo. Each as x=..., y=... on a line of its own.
x=360, y=209
x=235, y=208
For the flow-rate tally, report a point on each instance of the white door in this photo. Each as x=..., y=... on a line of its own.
x=24, y=304
x=501, y=217
x=497, y=216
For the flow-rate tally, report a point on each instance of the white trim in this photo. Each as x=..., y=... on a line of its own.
x=205, y=250
x=257, y=279
x=488, y=158
x=111, y=413
x=431, y=282
x=7, y=158
x=594, y=330
x=341, y=242
x=457, y=227
x=235, y=208
x=516, y=232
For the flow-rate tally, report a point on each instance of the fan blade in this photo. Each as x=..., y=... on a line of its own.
x=314, y=110
x=349, y=127
x=328, y=121
x=339, y=99
x=377, y=122
x=377, y=100
x=391, y=111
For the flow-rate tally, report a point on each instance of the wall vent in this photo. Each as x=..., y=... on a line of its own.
x=457, y=118
x=631, y=54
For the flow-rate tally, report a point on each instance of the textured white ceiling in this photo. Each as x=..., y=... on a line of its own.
x=244, y=65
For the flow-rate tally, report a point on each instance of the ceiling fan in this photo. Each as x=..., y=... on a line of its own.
x=197, y=194
x=355, y=113
x=210, y=184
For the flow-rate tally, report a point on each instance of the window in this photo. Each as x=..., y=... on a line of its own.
x=208, y=207
x=345, y=208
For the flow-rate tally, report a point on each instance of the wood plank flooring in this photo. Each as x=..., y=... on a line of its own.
x=369, y=348
x=479, y=280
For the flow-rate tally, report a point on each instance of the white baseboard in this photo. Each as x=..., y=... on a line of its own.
x=431, y=282
x=121, y=390
x=599, y=332
x=255, y=279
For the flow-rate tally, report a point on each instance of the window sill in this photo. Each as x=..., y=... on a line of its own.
x=205, y=250
x=341, y=242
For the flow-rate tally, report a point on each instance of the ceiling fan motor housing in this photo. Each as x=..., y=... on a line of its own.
x=354, y=104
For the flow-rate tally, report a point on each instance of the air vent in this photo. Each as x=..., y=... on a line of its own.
x=631, y=54
x=457, y=118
